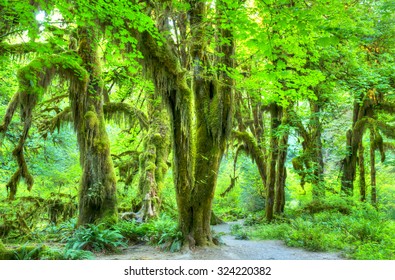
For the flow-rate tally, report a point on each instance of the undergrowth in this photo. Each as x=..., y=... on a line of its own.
x=162, y=232
x=358, y=230
x=95, y=238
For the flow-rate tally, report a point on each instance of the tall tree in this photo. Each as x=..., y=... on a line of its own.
x=81, y=67
x=197, y=154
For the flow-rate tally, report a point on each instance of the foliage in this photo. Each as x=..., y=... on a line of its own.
x=162, y=232
x=328, y=68
x=131, y=230
x=66, y=254
x=61, y=232
x=165, y=233
x=95, y=238
x=29, y=252
x=239, y=232
x=363, y=233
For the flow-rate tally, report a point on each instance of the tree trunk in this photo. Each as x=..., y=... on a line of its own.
x=208, y=158
x=348, y=166
x=373, y=169
x=317, y=157
x=153, y=162
x=97, y=194
x=354, y=137
x=281, y=175
x=362, y=181
x=271, y=174
x=199, y=150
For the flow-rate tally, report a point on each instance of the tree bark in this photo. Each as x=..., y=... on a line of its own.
x=153, y=161
x=97, y=194
x=361, y=114
x=281, y=175
x=373, y=169
x=316, y=150
x=271, y=176
x=362, y=181
x=197, y=154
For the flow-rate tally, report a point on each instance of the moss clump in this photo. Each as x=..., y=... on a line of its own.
x=91, y=120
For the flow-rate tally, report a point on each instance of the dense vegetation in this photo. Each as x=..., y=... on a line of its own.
x=147, y=121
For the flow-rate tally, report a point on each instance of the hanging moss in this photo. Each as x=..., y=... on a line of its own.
x=12, y=105
x=56, y=122
x=379, y=144
x=34, y=79
x=123, y=113
x=250, y=146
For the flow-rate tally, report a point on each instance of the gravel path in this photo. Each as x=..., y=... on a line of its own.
x=232, y=250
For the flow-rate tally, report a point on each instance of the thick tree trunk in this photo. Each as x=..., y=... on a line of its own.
x=271, y=174
x=199, y=150
x=361, y=114
x=182, y=156
x=208, y=158
x=153, y=162
x=97, y=195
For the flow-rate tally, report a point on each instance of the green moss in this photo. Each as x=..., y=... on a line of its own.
x=91, y=119
x=109, y=219
x=101, y=145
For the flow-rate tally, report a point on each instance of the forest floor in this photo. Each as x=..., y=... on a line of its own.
x=232, y=249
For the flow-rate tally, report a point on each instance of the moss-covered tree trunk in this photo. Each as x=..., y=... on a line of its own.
x=362, y=112
x=153, y=161
x=164, y=68
x=281, y=174
x=209, y=151
x=362, y=180
x=97, y=194
x=317, y=158
x=197, y=154
x=271, y=174
x=213, y=109
x=373, y=169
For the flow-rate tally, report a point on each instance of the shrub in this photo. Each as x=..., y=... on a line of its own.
x=330, y=204
x=94, y=238
x=271, y=231
x=253, y=219
x=132, y=231
x=239, y=232
x=165, y=233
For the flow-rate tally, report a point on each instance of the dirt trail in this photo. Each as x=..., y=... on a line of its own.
x=232, y=250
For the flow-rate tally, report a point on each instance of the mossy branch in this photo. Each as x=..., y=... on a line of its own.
x=56, y=122
x=23, y=171
x=252, y=149
x=123, y=113
x=34, y=80
x=8, y=116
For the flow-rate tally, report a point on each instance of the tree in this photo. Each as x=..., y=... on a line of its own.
x=81, y=68
x=197, y=154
